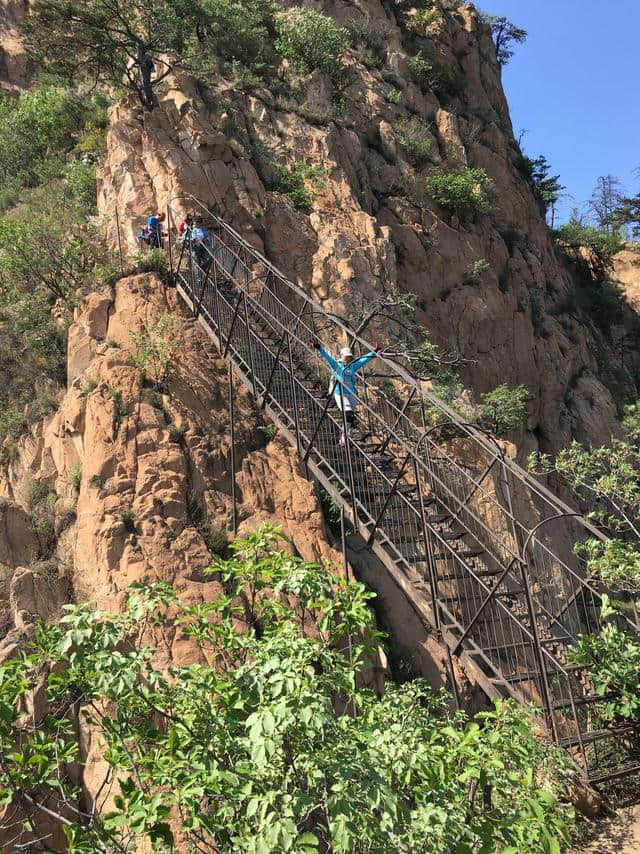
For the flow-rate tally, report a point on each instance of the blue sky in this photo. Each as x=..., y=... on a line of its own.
x=574, y=86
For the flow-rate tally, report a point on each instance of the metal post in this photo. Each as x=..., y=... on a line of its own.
x=231, y=328
x=347, y=445
x=317, y=428
x=433, y=581
x=191, y=273
x=296, y=416
x=170, y=243
x=234, y=512
x=537, y=646
x=119, y=242
x=250, y=342
x=407, y=403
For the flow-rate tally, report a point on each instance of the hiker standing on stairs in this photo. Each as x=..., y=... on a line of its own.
x=343, y=381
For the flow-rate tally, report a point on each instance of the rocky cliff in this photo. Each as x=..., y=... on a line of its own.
x=372, y=230
x=15, y=72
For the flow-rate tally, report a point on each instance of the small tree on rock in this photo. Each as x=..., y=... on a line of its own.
x=505, y=34
x=107, y=41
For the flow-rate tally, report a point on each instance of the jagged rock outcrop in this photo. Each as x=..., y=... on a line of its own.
x=15, y=73
x=372, y=229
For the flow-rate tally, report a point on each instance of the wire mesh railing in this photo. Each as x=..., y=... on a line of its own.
x=483, y=546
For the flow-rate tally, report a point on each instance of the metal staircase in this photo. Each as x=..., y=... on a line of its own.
x=463, y=530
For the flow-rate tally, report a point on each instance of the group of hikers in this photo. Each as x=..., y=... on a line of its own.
x=193, y=235
x=191, y=232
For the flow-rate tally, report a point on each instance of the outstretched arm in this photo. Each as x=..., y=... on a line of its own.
x=333, y=364
x=364, y=360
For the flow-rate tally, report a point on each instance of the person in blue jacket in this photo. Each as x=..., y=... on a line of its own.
x=343, y=380
x=154, y=230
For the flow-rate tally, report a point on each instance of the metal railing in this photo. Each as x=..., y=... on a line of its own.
x=483, y=550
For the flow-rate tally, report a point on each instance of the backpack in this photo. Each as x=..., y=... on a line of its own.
x=145, y=235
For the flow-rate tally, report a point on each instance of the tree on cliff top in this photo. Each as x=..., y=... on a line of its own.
x=505, y=33
x=106, y=41
x=276, y=749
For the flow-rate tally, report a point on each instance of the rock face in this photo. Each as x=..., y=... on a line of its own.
x=14, y=67
x=155, y=468
x=373, y=228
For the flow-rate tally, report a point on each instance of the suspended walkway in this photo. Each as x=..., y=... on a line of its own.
x=483, y=552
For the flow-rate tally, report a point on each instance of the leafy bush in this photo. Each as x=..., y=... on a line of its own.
x=270, y=431
x=128, y=519
x=311, y=40
x=474, y=271
x=599, y=243
x=238, y=29
x=504, y=408
x=257, y=754
x=42, y=504
x=300, y=182
x=612, y=657
x=422, y=19
x=461, y=193
x=393, y=96
x=154, y=349
x=414, y=135
x=75, y=475
x=424, y=72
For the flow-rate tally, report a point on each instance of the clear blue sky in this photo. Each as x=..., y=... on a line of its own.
x=574, y=86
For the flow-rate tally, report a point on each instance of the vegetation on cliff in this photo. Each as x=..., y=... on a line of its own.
x=276, y=747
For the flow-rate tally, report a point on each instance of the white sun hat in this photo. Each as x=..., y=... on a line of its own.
x=346, y=351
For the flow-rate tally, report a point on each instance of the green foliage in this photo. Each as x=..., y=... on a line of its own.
x=504, y=408
x=104, y=41
x=128, y=519
x=48, y=251
x=393, y=96
x=431, y=77
x=546, y=187
x=463, y=193
x=11, y=423
x=270, y=431
x=422, y=19
x=424, y=72
x=330, y=510
x=505, y=35
x=415, y=136
x=477, y=269
x=121, y=407
x=177, y=433
x=216, y=539
x=612, y=657
x=75, y=475
x=601, y=245
x=258, y=754
x=608, y=477
x=300, y=182
x=370, y=38
x=42, y=504
x=238, y=30
x=310, y=40
x=155, y=348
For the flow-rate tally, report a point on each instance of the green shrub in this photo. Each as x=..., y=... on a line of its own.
x=177, y=433
x=311, y=40
x=75, y=475
x=475, y=271
x=42, y=503
x=414, y=135
x=80, y=179
x=461, y=193
x=216, y=539
x=12, y=423
x=601, y=245
x=504, y=408
x=424, y=72
x=422, y=19
x=238, y=29
x=270, y=431
x=155, y=347
x=393, y=96
x=612, y=657
x=250, y=745
x=120, y=406
x=300, y=182
x=128, y=519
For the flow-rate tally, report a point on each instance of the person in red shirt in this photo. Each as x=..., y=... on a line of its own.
x=186, y=223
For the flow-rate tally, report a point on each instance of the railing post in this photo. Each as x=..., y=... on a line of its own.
x=170, y=243
x=539, y=654
x=234, y=510
x=433, y=580
x=250, y=342
x=347, y=445
x=292, y=380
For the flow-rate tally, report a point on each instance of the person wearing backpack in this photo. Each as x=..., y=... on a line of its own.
x=343, y=381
